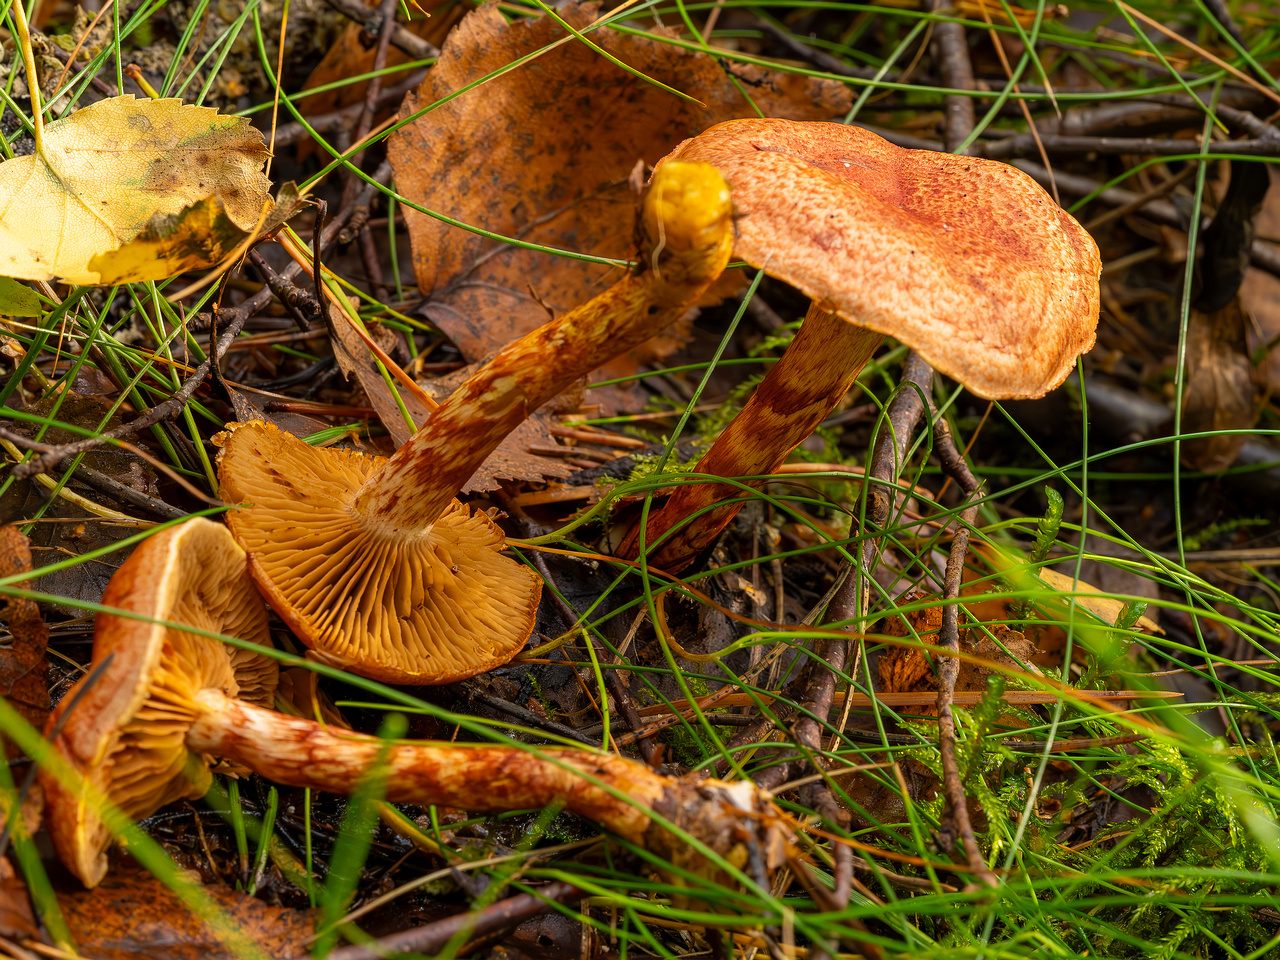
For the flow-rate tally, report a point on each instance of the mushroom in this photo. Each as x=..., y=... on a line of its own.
x=372, y=563
x=170, y=702
x=125, y=735
x=969, y=261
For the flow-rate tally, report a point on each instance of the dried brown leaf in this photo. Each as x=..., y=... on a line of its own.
x=349, y=57
x=23, y=668
x=132, y=916
x=16, y=919
x=511, y=461
x=910, y=670
x=544, y=152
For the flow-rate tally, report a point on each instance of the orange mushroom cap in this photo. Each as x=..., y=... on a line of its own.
x=126, y=733
x=969, y=261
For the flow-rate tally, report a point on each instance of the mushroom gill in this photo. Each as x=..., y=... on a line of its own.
x=434, y=604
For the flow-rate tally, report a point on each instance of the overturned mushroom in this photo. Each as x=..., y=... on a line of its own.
x=146, y=733
x=373, y=563
x=126, y=734
x=969, y=261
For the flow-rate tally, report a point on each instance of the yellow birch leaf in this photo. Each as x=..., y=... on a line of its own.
x=200, y=236
x=109, y=169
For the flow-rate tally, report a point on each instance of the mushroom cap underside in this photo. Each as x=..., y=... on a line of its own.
x=125, y=733
x=419, y=606
x=969, y=261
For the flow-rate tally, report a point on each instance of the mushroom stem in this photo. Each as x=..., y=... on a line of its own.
x=686, y=235
x=818, y=368
x=491, y=779
x=728, y=818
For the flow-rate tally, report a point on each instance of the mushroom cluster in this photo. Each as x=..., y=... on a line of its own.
x=173, y=702
x=378, y=569
x=372, y=562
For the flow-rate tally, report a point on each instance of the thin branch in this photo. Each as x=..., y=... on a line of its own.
x=432, y=937
x=955, y=467
x=402, y=38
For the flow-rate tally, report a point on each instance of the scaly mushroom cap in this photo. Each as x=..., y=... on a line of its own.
x=969, y=261
x=126, y=734
x=404, y=605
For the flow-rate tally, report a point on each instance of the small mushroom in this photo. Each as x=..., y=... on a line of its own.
x=171, y=702
x=372, y=563
x=126, y=733
x=969, y=261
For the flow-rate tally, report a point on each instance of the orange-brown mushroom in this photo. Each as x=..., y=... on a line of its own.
x=969, y=261
x=373, y=563
x=171, y=702
x=126, y=734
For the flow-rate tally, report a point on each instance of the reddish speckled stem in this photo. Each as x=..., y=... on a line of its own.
x=796, y=395
x=687, y=233
x=302, y=753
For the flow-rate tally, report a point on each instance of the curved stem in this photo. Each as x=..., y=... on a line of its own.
x=686, y=225
x=795, y=396
x=303, y=753
x=705, y=827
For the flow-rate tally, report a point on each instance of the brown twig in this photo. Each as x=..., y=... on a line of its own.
x=386, y=17
x=1024, y=145
x=1220, y=13
x=406, y=41
x=160, y=412
x=432, y=937
x=819, y=58
x=66, y=57
x=528, y=716
x=99, y=480
x=886, y=461
x=958, y=72
x=1263, y=255
x=955, y=467
x=300, y=304
x=114, y=488
x=951, y=50
x=323, y=123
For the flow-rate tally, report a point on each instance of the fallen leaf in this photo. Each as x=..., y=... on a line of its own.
x=511, y=461
x=910, y=670
x=16, y=918
x=132, y=916
x=1048, y=636
x=23, y=668
x=194, y=238
x=1260, y=298
x=17, y=300
x=544, y=153
x=1219, y=387
x=1101, y=606
x=109, y=169
x=349, y=57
